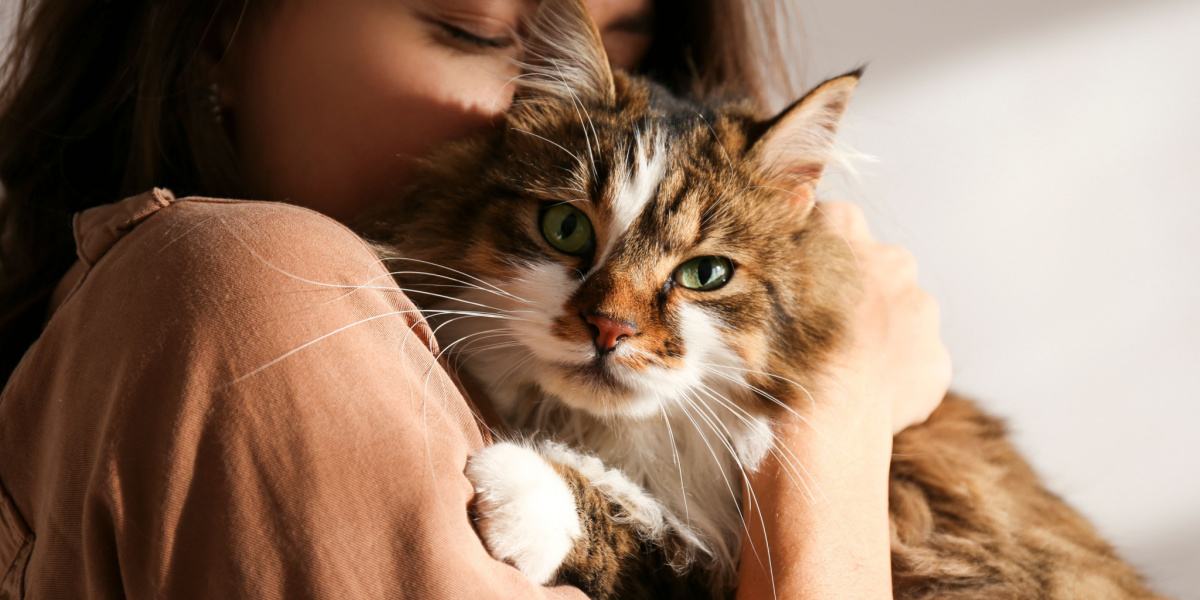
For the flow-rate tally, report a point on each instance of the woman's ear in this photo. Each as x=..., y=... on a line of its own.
x=564, y=57
x=218, y=58
x=794, y=146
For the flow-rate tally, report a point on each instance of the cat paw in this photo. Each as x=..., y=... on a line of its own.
x=525, y=512
x=638, y=507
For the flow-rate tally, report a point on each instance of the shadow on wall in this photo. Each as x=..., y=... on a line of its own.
x=1170, y=562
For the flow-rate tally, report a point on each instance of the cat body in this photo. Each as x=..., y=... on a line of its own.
x=642, y=285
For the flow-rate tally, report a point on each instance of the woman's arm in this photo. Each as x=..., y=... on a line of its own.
x=237, y=402
x=834, y=543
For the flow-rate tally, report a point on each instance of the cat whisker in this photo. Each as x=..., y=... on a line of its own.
x=696, y=405
x=451, y=286
x=512, y=370
x=369, y=285
x=779, y=449
x=318, y=339
x=715, y=370
x=510, y=314
x=691, y=401
x=553, y=143
x=448, y=347
x=726, y=438
x=498, y=313
x=789, y=460
x=432, y=314
x=578, y=106
x=463, y=283
x=497, y=310
x=449, y=321
x=471, y=350
x=486, y=283
x=351, y=288
x=678, y=465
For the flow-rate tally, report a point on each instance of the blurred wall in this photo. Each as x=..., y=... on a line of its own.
x=1042, y=160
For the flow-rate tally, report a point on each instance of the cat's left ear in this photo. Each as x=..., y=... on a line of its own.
x=797, y=143
x=564, y=57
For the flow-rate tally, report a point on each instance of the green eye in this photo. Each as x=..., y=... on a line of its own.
x=567, y=229
x=705, y=273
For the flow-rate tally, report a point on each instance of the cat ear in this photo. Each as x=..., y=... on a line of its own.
x=796, y=143
x=564, y=57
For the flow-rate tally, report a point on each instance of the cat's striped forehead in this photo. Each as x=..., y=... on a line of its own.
x=657, y=174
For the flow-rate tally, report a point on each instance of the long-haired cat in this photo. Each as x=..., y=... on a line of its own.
x=641, y=284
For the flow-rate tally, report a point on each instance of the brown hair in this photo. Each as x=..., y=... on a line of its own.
x=103, y=100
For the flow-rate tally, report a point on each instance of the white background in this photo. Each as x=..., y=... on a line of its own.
x=1042, y=159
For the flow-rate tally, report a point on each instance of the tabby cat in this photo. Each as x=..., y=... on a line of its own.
x=641, y=284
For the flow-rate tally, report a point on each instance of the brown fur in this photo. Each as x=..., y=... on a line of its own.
x=969, y=517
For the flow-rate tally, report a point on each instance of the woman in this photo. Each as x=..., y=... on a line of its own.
x=218, y=407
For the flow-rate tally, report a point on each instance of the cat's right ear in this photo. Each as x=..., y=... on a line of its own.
x=563, y=56
x=794, y=146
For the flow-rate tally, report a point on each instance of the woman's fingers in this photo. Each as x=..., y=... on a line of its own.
x=896, y=357
x=845, y=218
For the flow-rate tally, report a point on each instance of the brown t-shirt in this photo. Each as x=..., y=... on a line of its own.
x=233, y=399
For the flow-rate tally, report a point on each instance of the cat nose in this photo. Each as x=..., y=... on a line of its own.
x=608, y=332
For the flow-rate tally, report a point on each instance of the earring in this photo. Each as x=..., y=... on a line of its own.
x=214, y=104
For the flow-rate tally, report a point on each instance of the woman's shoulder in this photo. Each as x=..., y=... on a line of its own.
x=205, y=265
x=214, y=241
x=205, y=228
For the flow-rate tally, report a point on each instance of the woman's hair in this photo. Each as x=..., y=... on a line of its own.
x=104, y=100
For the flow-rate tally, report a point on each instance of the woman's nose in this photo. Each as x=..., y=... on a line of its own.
x=607, y=332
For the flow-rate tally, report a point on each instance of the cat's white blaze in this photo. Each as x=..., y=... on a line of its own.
x=635, y=187
x=530, y=517
x=546, y=286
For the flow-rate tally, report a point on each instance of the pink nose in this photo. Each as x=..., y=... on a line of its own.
x=608, y=332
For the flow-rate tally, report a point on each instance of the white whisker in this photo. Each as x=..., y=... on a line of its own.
x=679, y=466
x=712, y=420
x=285, y=355
x=456, y=271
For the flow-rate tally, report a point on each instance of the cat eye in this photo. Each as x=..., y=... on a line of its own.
x=705, y=273
x=567, y=229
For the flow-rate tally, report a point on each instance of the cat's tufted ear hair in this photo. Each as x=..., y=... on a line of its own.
x=795, y=145
x=563, y=56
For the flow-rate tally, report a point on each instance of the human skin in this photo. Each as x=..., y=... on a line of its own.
x=332, y=99
x=831, y=539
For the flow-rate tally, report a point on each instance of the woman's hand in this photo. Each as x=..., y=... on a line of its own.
x=823, y=512
x=894, y=361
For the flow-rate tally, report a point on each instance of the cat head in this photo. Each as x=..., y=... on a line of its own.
x=620, y=249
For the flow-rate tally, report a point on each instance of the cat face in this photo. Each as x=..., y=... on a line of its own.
x=630, y=250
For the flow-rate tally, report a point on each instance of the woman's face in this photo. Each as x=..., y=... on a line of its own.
x=331, y=99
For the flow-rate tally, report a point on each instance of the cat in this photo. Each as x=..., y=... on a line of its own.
x=642, y=284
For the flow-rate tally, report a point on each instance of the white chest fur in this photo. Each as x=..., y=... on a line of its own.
x=692, y=459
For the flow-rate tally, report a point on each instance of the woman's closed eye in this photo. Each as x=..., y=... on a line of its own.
x=471, y=37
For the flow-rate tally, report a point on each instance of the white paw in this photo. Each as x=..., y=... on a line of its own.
x=525, y=512
x=640, y=509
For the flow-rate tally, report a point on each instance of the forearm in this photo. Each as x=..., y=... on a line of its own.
x=825, y=514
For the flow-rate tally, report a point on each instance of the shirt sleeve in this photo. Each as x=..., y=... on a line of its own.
x=279, y=427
